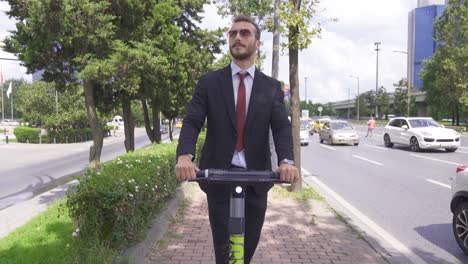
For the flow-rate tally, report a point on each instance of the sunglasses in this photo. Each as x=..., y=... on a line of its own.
x=242, y=32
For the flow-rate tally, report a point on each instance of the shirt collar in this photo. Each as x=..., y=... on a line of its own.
x=236, y=69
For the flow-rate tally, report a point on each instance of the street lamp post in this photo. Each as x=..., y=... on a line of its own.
x=349, y=95
x=357, y=78
x=376, y=75
x=408, y=89
x=305, y=79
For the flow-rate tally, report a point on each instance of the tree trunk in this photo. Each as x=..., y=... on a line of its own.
x=294, y=82
x=95, y=125
x=156, y=126
x=276, y=40
x=171, y=129
x=148, y=129
x=457, y=112
x=129, y=125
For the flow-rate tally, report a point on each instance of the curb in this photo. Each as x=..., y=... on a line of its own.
x=158, y=228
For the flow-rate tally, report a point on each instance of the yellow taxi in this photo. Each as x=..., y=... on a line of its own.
x=318, y=124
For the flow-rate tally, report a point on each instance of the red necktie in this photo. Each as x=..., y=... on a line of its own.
x=240, y=113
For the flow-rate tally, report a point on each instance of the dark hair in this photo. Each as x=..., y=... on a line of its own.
x=248, y=19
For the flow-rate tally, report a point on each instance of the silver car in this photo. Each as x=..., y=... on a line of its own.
x=338, y=132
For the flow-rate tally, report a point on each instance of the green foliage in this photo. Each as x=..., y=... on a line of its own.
x=115, y=204
x=400, y=102
x=444, y=76
x=25, y=134
x=296, y=16
x=37, y=102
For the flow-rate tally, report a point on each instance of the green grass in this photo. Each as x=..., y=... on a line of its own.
x=42, y=240
x=47, y=239
x=303, y=195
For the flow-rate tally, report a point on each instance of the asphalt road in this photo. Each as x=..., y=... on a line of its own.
x=406, y=194
x=29, y=169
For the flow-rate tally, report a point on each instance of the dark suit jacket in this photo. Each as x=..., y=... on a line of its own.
x=214, y=100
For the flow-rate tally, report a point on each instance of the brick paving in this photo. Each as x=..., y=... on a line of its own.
x=293, y=232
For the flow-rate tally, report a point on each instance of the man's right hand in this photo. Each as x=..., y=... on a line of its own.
x=185, y=168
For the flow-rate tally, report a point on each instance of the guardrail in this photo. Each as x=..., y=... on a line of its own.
x=457, y=128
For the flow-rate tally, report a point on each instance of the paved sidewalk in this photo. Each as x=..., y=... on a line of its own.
x=294, y=232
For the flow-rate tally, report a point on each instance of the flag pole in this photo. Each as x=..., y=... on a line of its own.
x=3, y=106
x=12, y=118
x=1, y=84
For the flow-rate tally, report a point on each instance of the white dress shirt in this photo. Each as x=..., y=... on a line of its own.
x=239, y=157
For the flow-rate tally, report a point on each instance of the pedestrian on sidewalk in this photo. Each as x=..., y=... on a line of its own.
x=240, y=103
x=370, y=127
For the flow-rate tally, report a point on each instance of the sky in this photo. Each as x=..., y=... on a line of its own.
x=345, y=48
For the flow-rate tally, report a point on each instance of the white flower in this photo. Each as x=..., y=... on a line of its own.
x=158, y=167
x=131, y=195
x=146, y=185
x=119, y=162
x=77, y=230
x=74, y=234
x=68, y=245
x=98, y=173
x=152, y=189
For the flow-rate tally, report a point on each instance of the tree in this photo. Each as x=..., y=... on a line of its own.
x=446, y=73
x=383, y=101
x=37, y=102
x=296, y=15
x=64, y=38
x=441, y=77
x=400, y=100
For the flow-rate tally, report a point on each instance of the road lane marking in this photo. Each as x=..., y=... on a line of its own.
x=366, y=220
x=444, y=161
x=439, y=183
x=463, y=147
x=328, y=147
x=462, y=152
x=382, y=148
x=368, y=160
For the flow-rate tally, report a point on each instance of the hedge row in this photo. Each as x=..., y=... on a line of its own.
x=31, y=135
x=115, y=205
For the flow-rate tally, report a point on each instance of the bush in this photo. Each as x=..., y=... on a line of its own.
x=115, y=204
x=113, y=207
x=23, y=134
x=68, y=135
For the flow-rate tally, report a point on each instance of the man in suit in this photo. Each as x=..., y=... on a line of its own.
x=240, y=103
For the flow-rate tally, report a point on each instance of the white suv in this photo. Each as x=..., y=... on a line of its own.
x=420, y=133
x=459, y=207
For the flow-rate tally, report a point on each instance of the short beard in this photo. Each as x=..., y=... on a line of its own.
x=241, y=56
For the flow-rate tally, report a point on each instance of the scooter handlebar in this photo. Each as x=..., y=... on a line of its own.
x=237, y=175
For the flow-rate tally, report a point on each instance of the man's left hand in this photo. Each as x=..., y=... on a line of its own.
x=288, y=172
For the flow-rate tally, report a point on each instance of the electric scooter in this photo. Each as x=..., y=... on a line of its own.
x=238, y=180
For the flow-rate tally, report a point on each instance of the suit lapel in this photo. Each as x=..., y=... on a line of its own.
x=228, y=93
x=256, y=91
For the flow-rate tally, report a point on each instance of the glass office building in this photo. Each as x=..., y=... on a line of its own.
x=421, y=42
